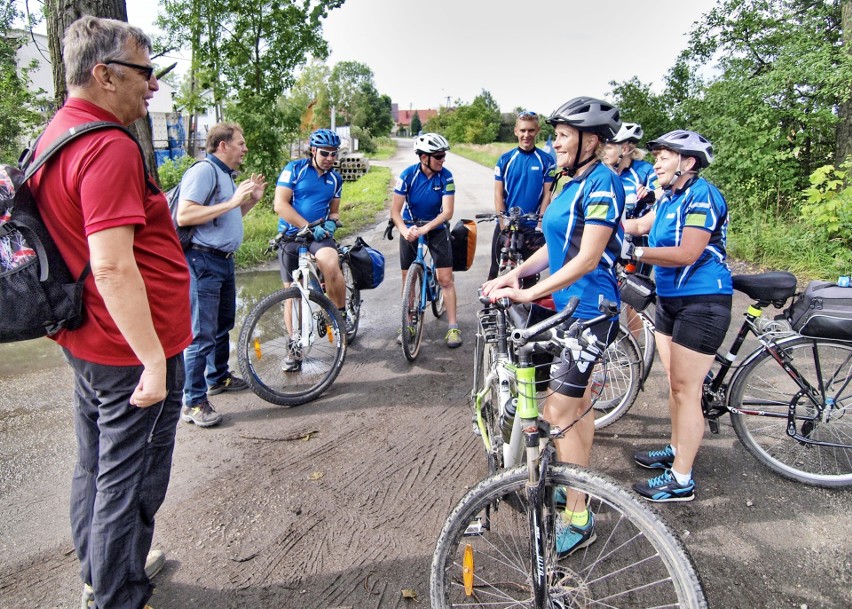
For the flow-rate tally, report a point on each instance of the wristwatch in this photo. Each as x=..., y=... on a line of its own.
x=638, y=252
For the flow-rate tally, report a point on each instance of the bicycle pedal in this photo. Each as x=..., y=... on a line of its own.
x=714, y=425
x=474, y=528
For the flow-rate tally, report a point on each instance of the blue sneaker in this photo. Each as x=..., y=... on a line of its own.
x=655, y=459
x=665, y=488
x=570, y=537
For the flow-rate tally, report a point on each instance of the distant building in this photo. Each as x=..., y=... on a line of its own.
x=402, y=120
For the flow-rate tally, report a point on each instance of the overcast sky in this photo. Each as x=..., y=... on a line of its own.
x=534, y=54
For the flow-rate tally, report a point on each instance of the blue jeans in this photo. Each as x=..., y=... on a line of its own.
x=124, y=459
x=213, y=300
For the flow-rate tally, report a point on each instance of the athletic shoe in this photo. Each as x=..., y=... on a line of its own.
x=656, y=459
x=229, y=383
x=570, y=537
x=290, y=363
x=453, y=338
x=665, y=488
x=153, y=565
x=411, y=332
x=202, y=414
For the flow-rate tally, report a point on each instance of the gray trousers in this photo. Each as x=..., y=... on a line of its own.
x=124, y=459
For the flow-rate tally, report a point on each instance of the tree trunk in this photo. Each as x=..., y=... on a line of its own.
x=844, y=126
x=62, y=13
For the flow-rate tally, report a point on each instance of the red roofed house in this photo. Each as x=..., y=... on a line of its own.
x=402, y=119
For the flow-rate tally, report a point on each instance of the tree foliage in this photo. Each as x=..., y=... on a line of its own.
x=416, y=124
x=476, y=123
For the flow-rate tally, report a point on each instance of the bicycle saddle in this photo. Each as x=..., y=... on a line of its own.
x=774, y=286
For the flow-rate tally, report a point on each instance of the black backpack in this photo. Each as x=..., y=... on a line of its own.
x=38, y=295
x=185, y=233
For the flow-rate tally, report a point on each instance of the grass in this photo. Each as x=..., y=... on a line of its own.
x=385, y=149
x=361, y=201
x=484, y=154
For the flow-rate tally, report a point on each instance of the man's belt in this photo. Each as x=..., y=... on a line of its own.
x=212, y=250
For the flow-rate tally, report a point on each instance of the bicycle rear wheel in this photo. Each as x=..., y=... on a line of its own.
x=636, y=560
x=763, y=392
x=353, y=302
x=412, y=312
x=643, y=334
x=485, y=355
x=438, y=306
x=278, y=365
x=620, y=372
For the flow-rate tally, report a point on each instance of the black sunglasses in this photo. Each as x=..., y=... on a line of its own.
x=438, y=155
x=327, y=153
x=146, y=71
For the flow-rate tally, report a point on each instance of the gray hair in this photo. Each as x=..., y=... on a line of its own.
x=92, y=40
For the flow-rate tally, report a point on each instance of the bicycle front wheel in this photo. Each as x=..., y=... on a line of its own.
x=636, y=560
x=620, y=372
x=292, y=348
x=412, y=312
x=485, y=355
x=353, y=302
x=644, y=335
x=763, y=392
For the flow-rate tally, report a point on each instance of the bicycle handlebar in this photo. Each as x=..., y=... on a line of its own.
x=546, y=330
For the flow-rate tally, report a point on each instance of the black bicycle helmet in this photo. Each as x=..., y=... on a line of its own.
x=686, y=143
x=590, y=115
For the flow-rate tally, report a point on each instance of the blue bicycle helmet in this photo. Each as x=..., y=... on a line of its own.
x=325, y=138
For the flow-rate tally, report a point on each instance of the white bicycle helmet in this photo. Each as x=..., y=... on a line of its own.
x=590, y=115
x=430, y=143
x=686, y=143
x=629, y=132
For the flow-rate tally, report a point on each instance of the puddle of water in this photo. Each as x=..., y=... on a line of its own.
x=43, y=353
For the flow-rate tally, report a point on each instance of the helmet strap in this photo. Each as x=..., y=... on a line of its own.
x=577, y=164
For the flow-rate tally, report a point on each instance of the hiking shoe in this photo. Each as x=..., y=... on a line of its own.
x=665, y=488
x=229, y=383
x=202, y=414
x=88, y=599
x=453, y=338
x=411, y=332
x=655, y=459
x=570, y=537
x=154, y=563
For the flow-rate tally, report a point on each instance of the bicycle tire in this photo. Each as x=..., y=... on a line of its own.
x=636, y=561
x=438, y=305
x=762, y=384
x=644, y=338
x=412, y=312
x=484, y=357
x=622, y=370
x=264, y=342
x=353, y=302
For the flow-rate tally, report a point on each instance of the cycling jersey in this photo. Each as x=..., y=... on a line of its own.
x=312, y=191
x=638, y=173
x=596, y=197
x=524, y=175
x=698, y=205
x=423, y=195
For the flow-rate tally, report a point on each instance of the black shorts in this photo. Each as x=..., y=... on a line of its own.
x=288, y=255
x=698, y=323
x=438, y=240
x=570, y=378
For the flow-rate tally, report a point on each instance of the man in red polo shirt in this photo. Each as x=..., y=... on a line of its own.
x=101, y=207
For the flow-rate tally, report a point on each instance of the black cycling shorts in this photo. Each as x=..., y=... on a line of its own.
x=288, y=255
x=698, y=323
x=438, y=240
x=570, y=378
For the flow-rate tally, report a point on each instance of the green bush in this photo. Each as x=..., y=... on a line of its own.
x=172, y=171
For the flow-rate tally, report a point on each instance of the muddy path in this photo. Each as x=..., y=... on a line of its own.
x=338, y=503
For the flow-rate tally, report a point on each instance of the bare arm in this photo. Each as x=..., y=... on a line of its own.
x=499, y=200
x=690, y=249
x=409, y=233
x=191, y=213
x=640, y=226
x=121, y=286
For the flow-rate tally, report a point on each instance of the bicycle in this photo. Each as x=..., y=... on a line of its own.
x=421, y=287
x=293, y=342
x=790, y=399
x=497, y=547
x=512, y=238
x=640, y=324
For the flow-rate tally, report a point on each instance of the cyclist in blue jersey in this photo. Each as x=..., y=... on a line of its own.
x=425, y=191
x=688, y=229
x=583, y=239
x=522, y=178
x=638, y=177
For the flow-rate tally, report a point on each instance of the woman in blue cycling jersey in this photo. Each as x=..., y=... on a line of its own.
x=637, y=176
x=687, y=234
x=582, y=243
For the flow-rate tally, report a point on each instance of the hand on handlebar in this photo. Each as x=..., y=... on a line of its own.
x=410, y=233
x=319, y=233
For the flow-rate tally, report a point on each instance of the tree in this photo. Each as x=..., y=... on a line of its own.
x=844, y=111
x=344, y=85
x=62, y=13
x=638, y=104
x=477, y=123
x=416, y=125
x=372, y=111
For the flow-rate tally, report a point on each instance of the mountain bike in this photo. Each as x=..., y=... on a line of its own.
x=512, y=239
x=421, y=287
x=497, y=547
x=293, y=342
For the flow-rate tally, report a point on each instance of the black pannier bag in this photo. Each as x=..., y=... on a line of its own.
x=823, y=310
x=638, y=291
x=368, y=265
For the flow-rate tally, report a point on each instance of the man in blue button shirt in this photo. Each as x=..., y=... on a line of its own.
x=213, y=293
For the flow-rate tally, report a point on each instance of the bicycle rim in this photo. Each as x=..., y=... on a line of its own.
x=620, y=372
x=484, y=358
x=438, y=306
x=763, y=386
x=412, y=312
x=353, y=302
x=267, y=341
x=635, y=561
x=644, y=335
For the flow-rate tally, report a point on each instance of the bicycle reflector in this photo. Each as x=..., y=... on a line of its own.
x=467, y=570
x=257, y=350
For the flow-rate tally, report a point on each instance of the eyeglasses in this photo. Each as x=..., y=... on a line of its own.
x=146, y=71
x=525, y=114
x=327, y=153
x=438, y=155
